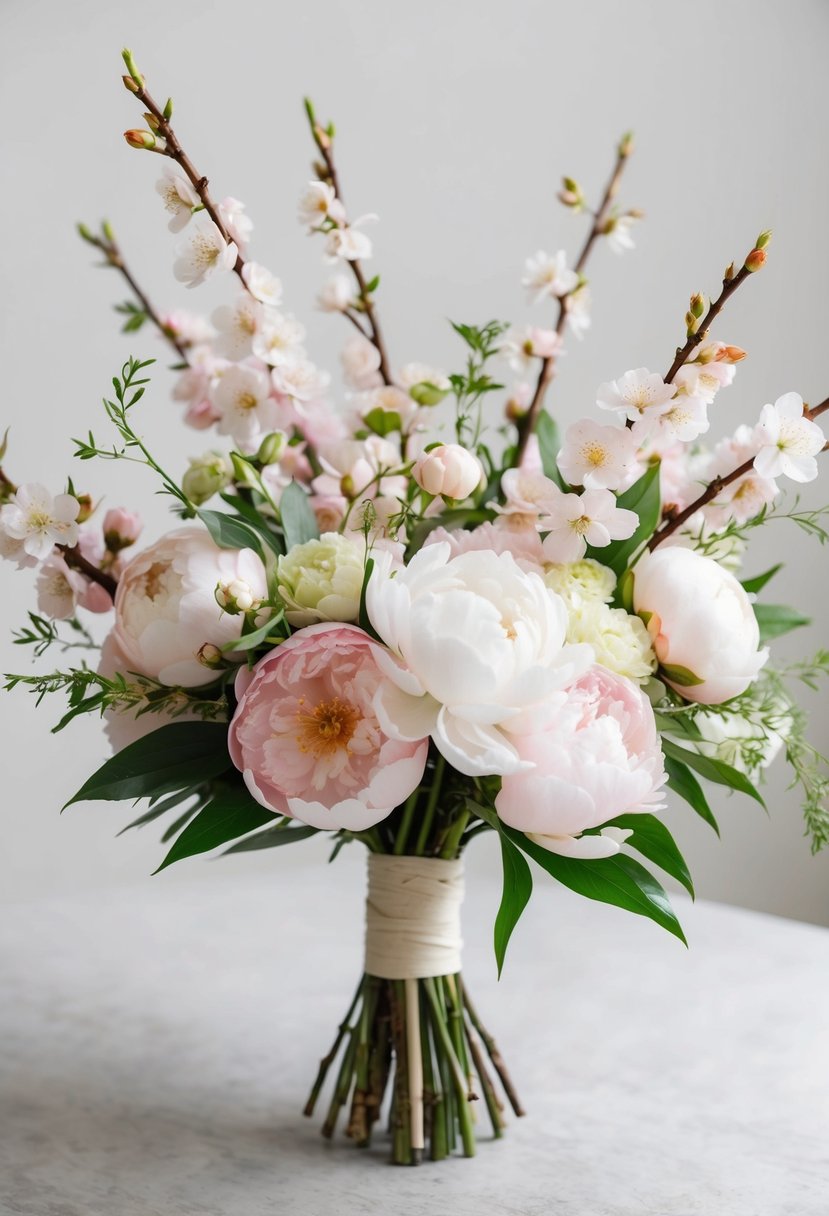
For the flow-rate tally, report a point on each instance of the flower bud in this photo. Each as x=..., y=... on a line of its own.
x=236, y=596
x=425, y=393
x=691, y=323
x=571, y=194
x=131, y=85
x=625, y=144
x=122, y=528
x=140, y=139
x=448, y=470
x=85, y=507
x=210, y=656
x=729, y=273
x=756, y=260
x=732, y=354
x=132, y=68
x=514, y=410
x=697, y=304
x=272, y=448
x=152, y=122
x=347, y=486
x=207, y=475
x=763, y=239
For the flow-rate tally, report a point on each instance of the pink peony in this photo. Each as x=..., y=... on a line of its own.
x=523, y=543
x=306, y=736
x=596, y=756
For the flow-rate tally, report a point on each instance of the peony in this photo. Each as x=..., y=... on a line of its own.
x=482, y=641
x=448, y=470
x=700, y=619
x=523, y=543
x=594, y=758
x=322, y=580
x=165, y=607
x=620, y=641
x=584, y=580
x=308, y=739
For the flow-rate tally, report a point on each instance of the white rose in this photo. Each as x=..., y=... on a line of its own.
x=449, y=470
x=621, y=641
x=322, y=580
x=483, y=645
x=700, y=619
x=165, y=606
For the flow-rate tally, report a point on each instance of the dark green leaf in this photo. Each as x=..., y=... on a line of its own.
x=382, y=422
x=653, y=840
x=230, y=532
x=549, y=446
x=713, y=770
x=753, y=585
x=256, y=520
x=617, y=880
x=299, y=523
x=518, y=887
x=776, y=619
x=174, y=757
x=230, y=813
x=683, y=782
x=272, y=837
x=159, y=806
x=643, y=498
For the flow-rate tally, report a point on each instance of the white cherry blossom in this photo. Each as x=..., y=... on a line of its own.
x=547, y=276
x=242, y=398
x=684, y=418
x=361, y=362
x=319, y=203
x=237, y=325
x=578, y=311
x=705, y=380
x=58, y=589
x=788, y=441
x=39, y=521
x=635, y=393
x=237, y=225
x=262, y=285
x=202, y=253
x=520, y=347
x=279, y=339
x=179, y=198
x=597, y=457
x=300, y=379
x=336, y=295
x=574, y=521
x=348, y=243
x=620, y=236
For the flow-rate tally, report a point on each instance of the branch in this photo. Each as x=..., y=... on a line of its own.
x=528, y=423
x=729, y=286
x=323, y=141
x=716, y=487
x=76, y=560
x=112, y=252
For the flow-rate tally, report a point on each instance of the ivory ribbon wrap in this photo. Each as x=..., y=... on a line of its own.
x=413, y=923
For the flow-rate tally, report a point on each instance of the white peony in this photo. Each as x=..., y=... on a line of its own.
x=620, y=641
x=583, y=580
x=704, y=630
x=481, y=642
x=322, y=580
x=165, y=606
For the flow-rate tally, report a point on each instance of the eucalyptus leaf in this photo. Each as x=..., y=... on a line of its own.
x=299, y=524
x=230, y=531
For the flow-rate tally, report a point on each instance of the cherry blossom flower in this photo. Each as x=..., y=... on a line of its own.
x=619, y=233
x=361, y=362
x=684, y=418
x=300, y=379
x=179, y=198
x=242, y=396
x=349, y=243
x=336, y=295
x=360, y=469
x=574, y=521
x=597, y=457
x=39, y=521
x=237, y=225
x=319, y=203
x=278, y=339
x=262, y=285
x=548, y=277
x=58, y=589
x=788, y=441
x=188, y=327
x=578, y=304
x=202, y=253
x=744, y=498
x=308, y=737
x=636, y=393
x=237, y=325
x=415, y=375
x=704, y=380
x=521, y=346
x=526, y=492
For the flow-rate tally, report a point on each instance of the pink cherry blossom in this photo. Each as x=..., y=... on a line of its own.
x=574, y=521
x=307, y=738
x=59, y=589
x=597, y=457
x=595, y=756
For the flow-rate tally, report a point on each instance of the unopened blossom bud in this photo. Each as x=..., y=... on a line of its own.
x=236, y=596
x=168, y=109
x=732, y=354
x=756, y=260
x=625, y=144
x=272, y=448
x=152, y=122
x=426, y=393
x=697, y=307
x=514, y=410
x=208, y=475
x=140, y=139
x=730, y=273
x=763, y=239
x=571, y=194
x=85, y=507
x=210, y=656
x=130, y=84
x=132, y=67
x=448, y=470
x=691, y=323
x=347, y=487
x=122, y=528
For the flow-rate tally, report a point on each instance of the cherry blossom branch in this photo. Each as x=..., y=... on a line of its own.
x=716, y=487
x=76, y=560
x=109, y=247
x=158, y=120
x=731, y=281
x=323, y=141
x=529, y=421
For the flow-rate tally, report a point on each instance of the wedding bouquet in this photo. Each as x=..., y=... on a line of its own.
x=417, y=614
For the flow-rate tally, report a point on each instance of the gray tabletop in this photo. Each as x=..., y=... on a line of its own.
x=158, y=1043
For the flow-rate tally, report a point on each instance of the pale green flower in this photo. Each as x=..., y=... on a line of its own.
x=322, y=580
x=621, y=641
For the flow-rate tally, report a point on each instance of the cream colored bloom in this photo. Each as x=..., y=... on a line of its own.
x=583, y=581
x=621, y=641
x=322, y=580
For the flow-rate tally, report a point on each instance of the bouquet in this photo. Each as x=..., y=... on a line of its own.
x=413, y=613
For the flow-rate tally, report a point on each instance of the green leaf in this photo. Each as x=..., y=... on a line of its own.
x=249, y=641
x=713, y=770
x=518, y=887
x=549, y=445
x=272, y=837
x=653, y=840
x=382, y=422
x=776, y=619
x=230, y=813
x=753, y=585
x=230, y=532
x=174, y=757
x=158, y=807
x=682, y=676
x=617, y=880
x=256, y=520
x=643, y=498
x=298, y=520
x=683, y=782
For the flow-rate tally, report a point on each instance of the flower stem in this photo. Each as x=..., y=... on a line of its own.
x=406, y=823
x=326, y=1062
x=493, y=1052
x=431, y=806
x=439, y=1022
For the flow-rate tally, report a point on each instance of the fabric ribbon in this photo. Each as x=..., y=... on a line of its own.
x=413, y=926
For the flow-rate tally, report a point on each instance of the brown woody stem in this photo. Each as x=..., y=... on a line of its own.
x=76, y=561
x=683, y=353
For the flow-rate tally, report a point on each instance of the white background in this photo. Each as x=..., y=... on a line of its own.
x=456, y=122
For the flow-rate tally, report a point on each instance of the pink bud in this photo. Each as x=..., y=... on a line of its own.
x=449, y=470
x=122, y=528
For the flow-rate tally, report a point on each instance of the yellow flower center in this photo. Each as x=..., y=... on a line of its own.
x=594, y=454
x=247, y=401
x=581, y=524
x=329, y=726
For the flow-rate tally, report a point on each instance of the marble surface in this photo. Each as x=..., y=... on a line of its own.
x=158, y=1043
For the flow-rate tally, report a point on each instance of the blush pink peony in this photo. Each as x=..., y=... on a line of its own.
x=595, y=755
x=306, y=736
